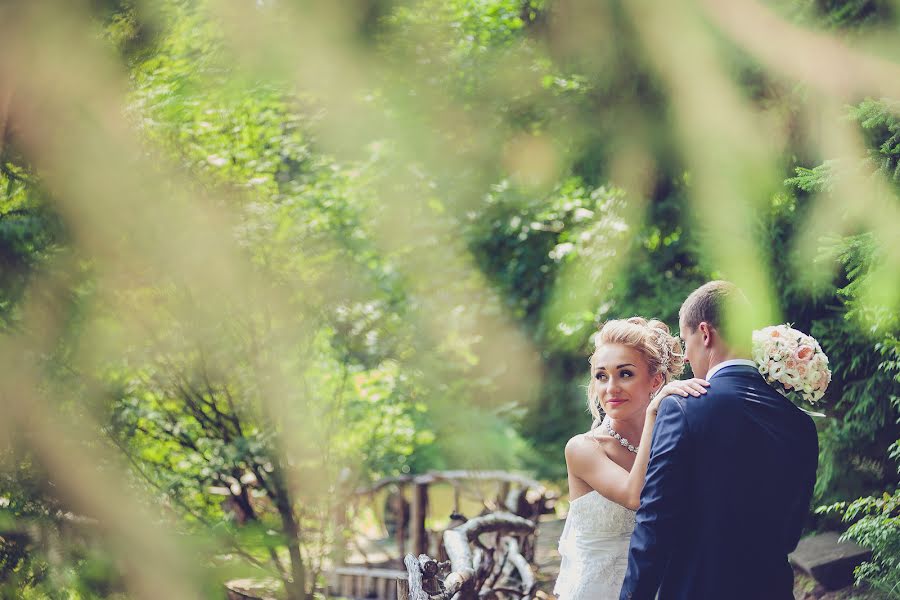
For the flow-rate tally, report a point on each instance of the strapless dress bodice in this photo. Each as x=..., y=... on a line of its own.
x=594, y=549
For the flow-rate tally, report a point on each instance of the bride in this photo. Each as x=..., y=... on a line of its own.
x=632, y=370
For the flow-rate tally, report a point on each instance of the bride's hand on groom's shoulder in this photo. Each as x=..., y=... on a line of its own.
x=687, y=387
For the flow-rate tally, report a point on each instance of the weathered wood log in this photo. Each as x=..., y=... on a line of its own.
x=521, y=565
x=430, y=570
x=457, y=540
x=483, y=560
x=414, y=576
x=429, y=565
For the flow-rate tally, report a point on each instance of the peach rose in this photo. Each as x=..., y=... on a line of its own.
x=804, y=353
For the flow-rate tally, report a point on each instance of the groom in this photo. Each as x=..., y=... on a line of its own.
x=730, y=478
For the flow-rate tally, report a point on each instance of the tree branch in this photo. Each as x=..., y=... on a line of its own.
x=140, y=470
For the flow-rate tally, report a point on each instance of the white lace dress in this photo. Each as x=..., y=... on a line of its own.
x=594, y=549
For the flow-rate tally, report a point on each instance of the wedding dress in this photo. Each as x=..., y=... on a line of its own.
x=594, y=549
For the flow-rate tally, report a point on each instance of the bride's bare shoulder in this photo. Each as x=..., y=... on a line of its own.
x=585, y=445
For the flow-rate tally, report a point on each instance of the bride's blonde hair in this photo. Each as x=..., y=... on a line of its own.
x=651, y=339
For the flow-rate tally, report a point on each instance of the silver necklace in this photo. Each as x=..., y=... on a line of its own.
x=622, y=440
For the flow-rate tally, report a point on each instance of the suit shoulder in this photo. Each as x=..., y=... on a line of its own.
x=673, y=401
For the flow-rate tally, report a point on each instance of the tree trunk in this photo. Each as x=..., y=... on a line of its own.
x=296, y=589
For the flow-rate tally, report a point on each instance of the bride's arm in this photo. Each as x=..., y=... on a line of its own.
x=635, y=480
x=608, y=478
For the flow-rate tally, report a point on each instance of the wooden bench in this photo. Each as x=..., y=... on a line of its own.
x=828, y=560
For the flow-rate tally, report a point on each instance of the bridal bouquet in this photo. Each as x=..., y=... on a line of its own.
x=792, y=360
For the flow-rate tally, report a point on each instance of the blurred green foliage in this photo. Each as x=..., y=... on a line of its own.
x=514, y=175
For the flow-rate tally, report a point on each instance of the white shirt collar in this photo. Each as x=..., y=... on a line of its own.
x=729, y=363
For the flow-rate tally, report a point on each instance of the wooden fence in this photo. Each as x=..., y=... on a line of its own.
x=362, y=582
x=517, y=494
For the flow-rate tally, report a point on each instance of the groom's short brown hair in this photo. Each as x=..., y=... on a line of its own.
x=709, y=302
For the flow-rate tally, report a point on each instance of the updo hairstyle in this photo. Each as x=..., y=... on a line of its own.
x=651, y=339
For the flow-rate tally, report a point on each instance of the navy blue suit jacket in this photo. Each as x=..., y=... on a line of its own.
x=727, y=492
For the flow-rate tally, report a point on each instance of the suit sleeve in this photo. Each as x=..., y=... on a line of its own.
x=662, y=504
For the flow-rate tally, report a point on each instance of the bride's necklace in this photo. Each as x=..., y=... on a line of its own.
x=622, y=440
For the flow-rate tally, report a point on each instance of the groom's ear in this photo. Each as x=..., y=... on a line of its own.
x=706, y=332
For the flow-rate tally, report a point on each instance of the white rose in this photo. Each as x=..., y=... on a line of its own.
x=776, y=369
